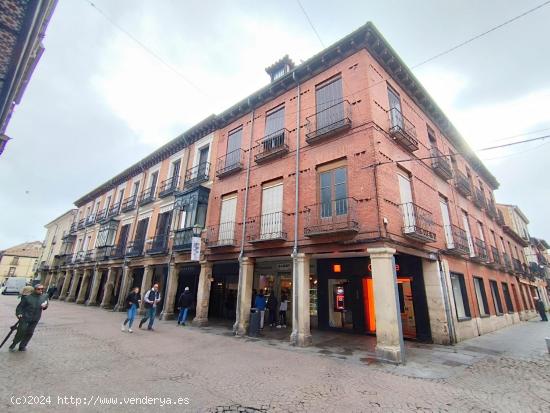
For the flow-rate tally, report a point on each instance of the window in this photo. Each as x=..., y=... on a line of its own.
x=11, y=272
x=329, y=104
x=15, y=260
x=466, y=224
x=234, y=141
x=333, y=192
x=405, y=192
x=446, y=222
x=271, y=225
x=136, y=188
x=431, y=138
x=496, y=297
x=226, y=233
x=274, y=133
x=460, y=296
x=120, y=196
x=107, y=203
x=507, y=298
x=481, y=296
x=153, y=182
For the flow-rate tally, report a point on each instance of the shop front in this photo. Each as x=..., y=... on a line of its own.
x=223, y=291
x=188, y=276
x=345, y=296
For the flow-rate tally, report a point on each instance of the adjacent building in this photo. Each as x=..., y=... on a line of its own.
x=20, y=260
x=341, y=186
x=23, y=25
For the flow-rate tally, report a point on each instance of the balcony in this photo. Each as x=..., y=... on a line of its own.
x=480, y=251
x=457, y=240
x=507, y=262
x=182, y=239
x=518, y=268
x=272, y=146
x=197, y=174
x=82, y=223
x=114, y=210
x=402, y=130
x=230, y=163
x=169, y=186
x=89, y=256
x=103, y=253
x=267, y=228
x=492, y=210
x=102, y=215
x=117, y=252
x=462, y=183
x=328, y=122
x=500, y=218
x=479, y=199
x=128, y=204
x=417, y=223
x=79, y=257
x=90, y=220
x=135, y=248
x=147, y=196
x=337, y=217
x=223, y=235
x=495, y=261
x=73, y=228
x=159, y=245
x=441, y=164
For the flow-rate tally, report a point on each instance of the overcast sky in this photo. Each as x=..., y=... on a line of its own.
x=98, y=102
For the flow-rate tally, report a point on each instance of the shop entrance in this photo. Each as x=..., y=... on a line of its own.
x=274, y=280
x=223, y=291
x=188, y=276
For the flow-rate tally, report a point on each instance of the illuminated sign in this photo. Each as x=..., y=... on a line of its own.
x=337, y=268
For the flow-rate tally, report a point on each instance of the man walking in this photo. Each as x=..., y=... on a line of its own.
x=184, y=302
x=151, y=298
x=539, y=306
x=29, y=311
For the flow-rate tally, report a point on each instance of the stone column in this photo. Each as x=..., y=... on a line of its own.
x=47, y=280
x=124, y=288
x=435, y=298
x=244, y=296
x=65, y=286
x=301, y=333
x=43, y=276
x=389, y=333
x=171, y=289
x=145, y=286
x=203, y=295
x=109, y=287
x=84, y=286
x=96, y=280
x=72, y=292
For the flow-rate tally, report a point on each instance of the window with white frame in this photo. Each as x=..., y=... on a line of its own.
x=460, y=295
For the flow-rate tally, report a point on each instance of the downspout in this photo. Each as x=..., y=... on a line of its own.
x=297, y=172
x=245, y=209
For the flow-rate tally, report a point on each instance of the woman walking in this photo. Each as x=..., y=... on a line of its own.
x=132, y=301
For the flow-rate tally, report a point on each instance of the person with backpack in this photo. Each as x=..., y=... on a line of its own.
x=185, y=301
x=151, y=298
x=132, y=301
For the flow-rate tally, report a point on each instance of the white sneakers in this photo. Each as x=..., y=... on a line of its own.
x=130, y=330
x=123, y=328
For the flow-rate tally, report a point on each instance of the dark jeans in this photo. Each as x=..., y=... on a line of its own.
x=543, y=316
x=150, y=314
x=182, y=317
x=25, y=330
x=282, y=318
x=272, y=317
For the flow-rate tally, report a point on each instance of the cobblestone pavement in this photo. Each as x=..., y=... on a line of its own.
x=80, y=352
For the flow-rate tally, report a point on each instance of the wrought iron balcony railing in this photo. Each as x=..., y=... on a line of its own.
x=441, y=164
x=328, y=122
x=147, y=196
x=267, y=227
x=158, y=245
x=169, y=186
x=338, y=216
x=402, y=130
x=274, y=145
x=479, y=199
x=82, y=223
x=103, y=253
x=89, y=256
x=128, y=204
x=79, y=257
x=182, y=239
x=114, y=210
x=462, y=183
x=492, y=209
x=456, y=240
x=507, y=262
x=197, y=174
x=517, y=265
x=230, y=163
x=222, y=235
x=500, y=218
x=90, y=220
x=117, y=252
x=135, y=248
x=480, y=251
x=495, y=257
x=73, y=228
x=418, y=223
x=102, y=215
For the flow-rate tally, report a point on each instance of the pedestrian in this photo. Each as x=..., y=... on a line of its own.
x=260, y=306
x=28, y=311
x=185, y=301
x=539, y=306
x=273, y=308
x=282, y=311
x=51, y=291
x=132, y=300
x=151, y=298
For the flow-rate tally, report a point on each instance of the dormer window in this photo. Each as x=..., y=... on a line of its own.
x=280, y=68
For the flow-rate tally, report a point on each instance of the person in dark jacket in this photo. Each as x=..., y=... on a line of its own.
x=151, y=298
x=273, y=310
x=539, y=306
x=185, y=301
x=28, y=311
x=132, y=301
x=51, y=291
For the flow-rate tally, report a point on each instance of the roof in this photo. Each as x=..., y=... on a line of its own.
x=518, y=211
x=69, y=212
x=22, y=26
x=27, y=249
x=367, y=36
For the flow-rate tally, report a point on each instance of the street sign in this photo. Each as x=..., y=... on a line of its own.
x=195, y=248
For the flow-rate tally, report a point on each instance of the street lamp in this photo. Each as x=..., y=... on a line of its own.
x=197, y=230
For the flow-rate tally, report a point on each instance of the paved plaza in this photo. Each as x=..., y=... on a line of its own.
x=80, y=352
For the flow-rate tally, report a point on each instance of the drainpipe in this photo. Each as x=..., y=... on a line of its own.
x=241, y=254
x=296, y=205
x=448, y=312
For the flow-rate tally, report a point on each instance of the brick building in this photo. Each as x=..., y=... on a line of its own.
x=340, y=185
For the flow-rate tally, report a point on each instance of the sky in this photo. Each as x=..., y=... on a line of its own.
x=98, y=101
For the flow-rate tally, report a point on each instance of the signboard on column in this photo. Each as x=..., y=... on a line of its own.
x=195, y=248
